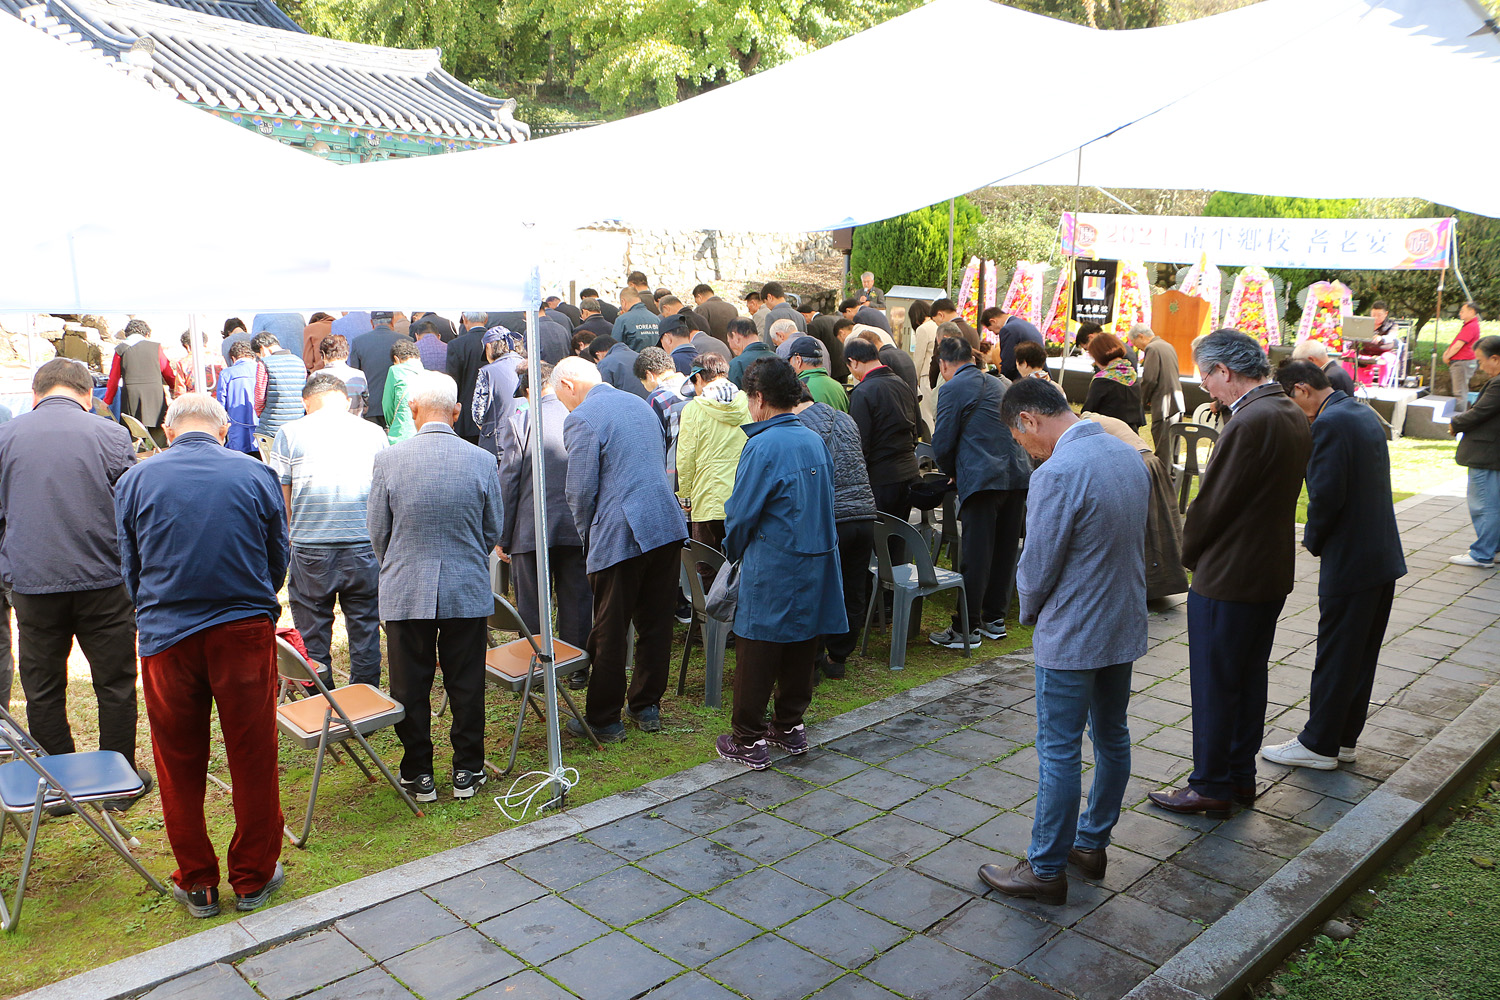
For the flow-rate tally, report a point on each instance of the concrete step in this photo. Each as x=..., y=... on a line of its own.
x=1427, y=418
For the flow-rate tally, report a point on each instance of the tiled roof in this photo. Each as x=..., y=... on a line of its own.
x=225, y=54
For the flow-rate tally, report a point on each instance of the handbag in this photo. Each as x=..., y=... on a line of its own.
x=724, y=596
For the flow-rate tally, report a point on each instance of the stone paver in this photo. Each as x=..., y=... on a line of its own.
x=849, y=874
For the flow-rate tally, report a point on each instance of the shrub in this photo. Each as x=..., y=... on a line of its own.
x=912, y=249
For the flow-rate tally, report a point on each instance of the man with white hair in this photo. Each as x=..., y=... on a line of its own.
x=203, y=549
x=1161, y=384
x=434, y=515
x=868, y=294
x=1317, y=352
x=784, y=332
x=632, y=529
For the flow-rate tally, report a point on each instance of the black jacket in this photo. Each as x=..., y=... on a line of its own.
x=1114, y=399
x=465, y=358
x=885, y=409
x=1339, y=378
x=1351, y=521
x=821, y=327
x=901, y=363
x=1479, y=448
x=598, y=324
x=556, y=339
x=970, y=442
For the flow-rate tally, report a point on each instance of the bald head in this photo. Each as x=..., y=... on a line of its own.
x=573, y=378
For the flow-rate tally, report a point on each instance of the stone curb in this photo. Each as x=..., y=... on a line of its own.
x=137, y=974
x=1248, y=942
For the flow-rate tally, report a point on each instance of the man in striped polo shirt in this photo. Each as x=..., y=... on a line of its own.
x=326, y=461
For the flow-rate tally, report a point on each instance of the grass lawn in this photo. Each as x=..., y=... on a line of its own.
x=85, y=908
x=1432, y=930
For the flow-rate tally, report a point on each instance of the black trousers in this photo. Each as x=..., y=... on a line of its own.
x=643, y=590
x=893, y=499
x=7, y=662
x=1350, y=628
x=1229, y=645
x=763, y=670
x=413, y=648
x=570, y=582
x=856, y=540
x=992, y=524
x=103, y=621
x=349, y=575
x=710, y=533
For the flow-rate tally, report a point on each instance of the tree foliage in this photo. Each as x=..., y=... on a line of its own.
x=912, y=249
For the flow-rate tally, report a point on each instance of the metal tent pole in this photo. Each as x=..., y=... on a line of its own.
x=200, y=381
x=1437, y=320
x=950, y=248
x=539, y=518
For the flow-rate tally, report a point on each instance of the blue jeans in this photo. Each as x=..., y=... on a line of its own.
x=1065, y=701
x=1484, y=511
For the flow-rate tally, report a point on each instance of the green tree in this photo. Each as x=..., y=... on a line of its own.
x=1262, y=206
x=912, y=249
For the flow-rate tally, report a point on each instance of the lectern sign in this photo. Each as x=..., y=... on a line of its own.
x=1094, y=298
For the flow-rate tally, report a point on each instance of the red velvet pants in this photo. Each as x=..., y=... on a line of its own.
x=234, y=666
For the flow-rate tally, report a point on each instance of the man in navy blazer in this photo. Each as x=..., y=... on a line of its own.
x=616, y=364
x=632, y=531
x=434, y=514
x=1351, y=526
x=991, y=472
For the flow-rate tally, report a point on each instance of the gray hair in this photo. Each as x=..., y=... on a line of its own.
x=196, y=408
x=949, y=329
x=1141, y=330
x=1237, y=352
x=434, y=391
x=1310, y=348
x=476, y=317
x=1031, y=395
x=782, y=326
x=577, y=370
x=867, y=274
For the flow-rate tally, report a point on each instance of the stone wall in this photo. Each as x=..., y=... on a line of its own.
x=601, y=257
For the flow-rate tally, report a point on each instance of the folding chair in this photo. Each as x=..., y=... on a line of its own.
x=715, y=634
x=139, y=436
x=926, y=460
x=263, y=443
x=917, y=577
x=333, y=717
x=33, y=780
x=1189, y=436
x=517, y=664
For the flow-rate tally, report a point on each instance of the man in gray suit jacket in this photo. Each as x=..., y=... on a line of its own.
x=1083, y=585
x=434, y=515
x=516, y=442
x=632, y=532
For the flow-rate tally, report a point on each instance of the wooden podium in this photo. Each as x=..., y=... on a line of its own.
x=1180, y=319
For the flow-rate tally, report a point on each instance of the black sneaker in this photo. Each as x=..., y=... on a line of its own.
x=757, y=756
x=257, y=899
x=833, y=669
x=124, y=804
x=684, y=613
x=793, y=741
x=421, y=788
x=647, y=719
x=200, y=903
x=577, y=680
x=466, y=783
x=614, y=733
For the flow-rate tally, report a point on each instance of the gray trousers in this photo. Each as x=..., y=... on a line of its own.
x=1462, y=373
x=350, y=575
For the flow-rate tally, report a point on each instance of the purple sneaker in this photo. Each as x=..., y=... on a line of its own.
x=793, y=741
x=755, y=756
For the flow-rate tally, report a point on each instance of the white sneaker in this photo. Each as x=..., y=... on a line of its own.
x=952, y=638
x=1293, y=754
x=1464, y=559
x=992, y=630
x=1346, y=755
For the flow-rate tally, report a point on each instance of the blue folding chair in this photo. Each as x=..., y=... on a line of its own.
x=32, y=780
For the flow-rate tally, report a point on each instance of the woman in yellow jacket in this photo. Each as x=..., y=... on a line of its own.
x=709, y=442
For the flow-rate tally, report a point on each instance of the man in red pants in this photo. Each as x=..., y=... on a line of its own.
x=204, y=549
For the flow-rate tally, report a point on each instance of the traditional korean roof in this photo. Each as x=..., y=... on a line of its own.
x=247, y=56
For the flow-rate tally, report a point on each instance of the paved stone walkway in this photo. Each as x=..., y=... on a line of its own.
x=850, y=873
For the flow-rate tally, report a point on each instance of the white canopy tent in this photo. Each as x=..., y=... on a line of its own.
x=1189, y=105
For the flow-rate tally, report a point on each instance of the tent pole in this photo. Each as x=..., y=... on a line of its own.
x=539, y=519
x=200, y=382
x=949, y=286
x=1437, y=320
x=31, y=342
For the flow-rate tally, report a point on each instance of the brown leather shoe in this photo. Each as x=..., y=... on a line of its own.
x=1244, y=796
x=1023, y=883
x=1091, y=864
x=1188, y=801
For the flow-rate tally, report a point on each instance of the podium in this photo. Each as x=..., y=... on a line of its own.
x=1180, y=319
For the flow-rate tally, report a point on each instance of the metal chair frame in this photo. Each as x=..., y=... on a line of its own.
x=714, y=633
x=25, y=753
x=263, y=444
x=291, y=665
x=1189, y=435
x=921, y=579
x=141, y=438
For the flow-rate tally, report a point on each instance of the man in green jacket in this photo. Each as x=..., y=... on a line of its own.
x=748, y=348
x=807, y=362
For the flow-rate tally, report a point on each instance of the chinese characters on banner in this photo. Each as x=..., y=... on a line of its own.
x=1094, y=290
x=1352, y=244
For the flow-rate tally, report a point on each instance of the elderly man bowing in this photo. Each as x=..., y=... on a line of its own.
x=1085, y=591
x=632, y=531
x=434, y=514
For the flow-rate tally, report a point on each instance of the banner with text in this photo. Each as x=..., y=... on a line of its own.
x=1094, y=290
x=1355, y=244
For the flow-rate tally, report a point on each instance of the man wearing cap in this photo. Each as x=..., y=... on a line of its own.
x=806, y=356
x=748, y=348
x=371, y=353
x=784, y=333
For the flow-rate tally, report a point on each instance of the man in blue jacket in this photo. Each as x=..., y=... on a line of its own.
x=632, y=531
x=991, y=471
x=636, y=326
x=235, y=392
x=1351, y=526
